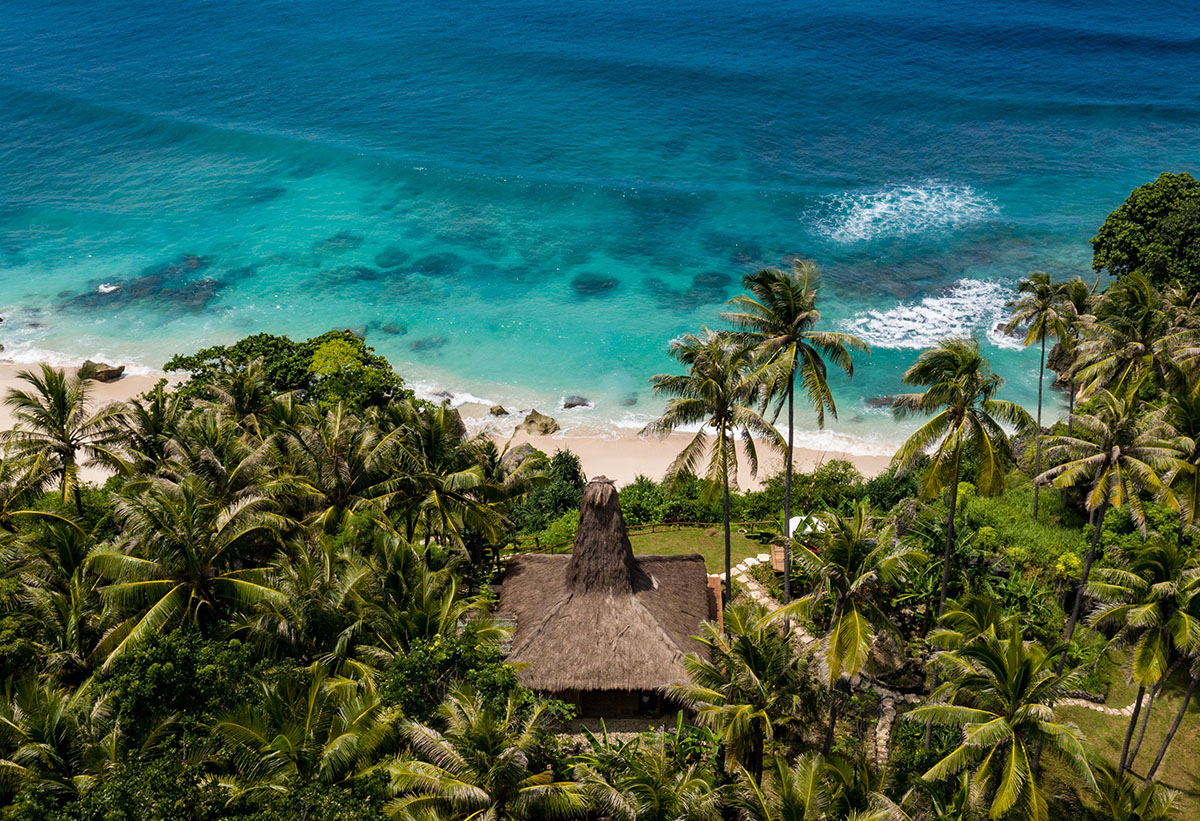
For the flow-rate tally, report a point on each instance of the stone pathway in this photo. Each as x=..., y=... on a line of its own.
x=888, y=699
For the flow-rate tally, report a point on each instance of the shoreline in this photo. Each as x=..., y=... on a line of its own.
x=603, y=448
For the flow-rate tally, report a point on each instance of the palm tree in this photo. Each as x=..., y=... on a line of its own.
x=1132, y=338
x=183, y=557
x=1148, y=600
x=960, y=394
x=148, y=424
x=343, y=464
x=805, y=790
x=1040, y=309
x=751, y=685
x=850, y=573
x=1182, y=482
x=1174, y=728
x=1118, y=450
x=312, y=728
x=323, y=591
x=718, y=392
x=55, y=426
x=971, y=618
x=1002, y=693
x=60, y=594
x=779, y=317
x=479, y=767
x=444, y=480
x=1078, y=299
x=634, y=782
x=1123, y=798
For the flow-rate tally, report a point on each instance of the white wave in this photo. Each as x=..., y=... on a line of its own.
x=433, y=393
x=970, y=307
x=902, y=210
x=25, y=353
x=107, y=287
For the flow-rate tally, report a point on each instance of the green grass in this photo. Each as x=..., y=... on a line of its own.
x=708, y=543
x=1104, y=734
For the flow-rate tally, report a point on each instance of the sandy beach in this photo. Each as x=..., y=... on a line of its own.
x=619, y=454
x=622, y=455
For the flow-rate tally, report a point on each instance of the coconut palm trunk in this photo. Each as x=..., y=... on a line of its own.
x=1137, y=745
x=1162, y=751
x=1038, y=433
x=1123, y=764
x=951, y=503
x=787, y=496
x=725, y=503
x=1083, y=580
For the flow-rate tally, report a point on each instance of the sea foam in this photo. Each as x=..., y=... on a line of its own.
x=901, y=210
x=970, y=308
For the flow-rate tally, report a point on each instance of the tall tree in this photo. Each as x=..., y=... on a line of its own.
x=849, y=573
x=479, y=767
x=961, y=396
x=183, y=557
x=1041, y=309
x=1155, y=232
x=751, y=684
x=1079, y=298
x=779, y=317
x=1118, y=452
x=311, y=728
x=1133, y=337
x=55, y=425
x=1122, y=798
x=1002, y=693
x=1147, y=597
x=1182, y=482
x=719, y=392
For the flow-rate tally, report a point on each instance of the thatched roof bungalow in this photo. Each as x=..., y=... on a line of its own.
x=602, y=628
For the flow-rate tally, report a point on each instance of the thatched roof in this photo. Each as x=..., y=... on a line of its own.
x=601, y=618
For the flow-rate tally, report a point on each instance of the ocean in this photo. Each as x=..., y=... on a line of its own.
x=522, y=200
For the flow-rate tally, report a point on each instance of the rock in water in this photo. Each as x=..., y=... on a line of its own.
x=537, y=424
x=576, y=402
x=102, y=372
x=498, y=410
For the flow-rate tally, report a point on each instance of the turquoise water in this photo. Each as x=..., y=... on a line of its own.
x=522, y=200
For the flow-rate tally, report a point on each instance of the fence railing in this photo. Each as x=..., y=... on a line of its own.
x=533, y=544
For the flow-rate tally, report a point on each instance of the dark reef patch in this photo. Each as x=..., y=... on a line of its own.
x=169, y=284
x=706, y=289
x=438, y=265
x=429, y=343
x=392, y=257
x=589, y=285
x=339, y=243
x=262, y=194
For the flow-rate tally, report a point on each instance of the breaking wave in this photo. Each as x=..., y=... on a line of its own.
x=902, y=210
x=970, y=307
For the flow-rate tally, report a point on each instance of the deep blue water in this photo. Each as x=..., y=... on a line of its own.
x=525, y=199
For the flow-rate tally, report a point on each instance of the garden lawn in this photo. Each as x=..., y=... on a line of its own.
x=1104, y=734
x=709, y=543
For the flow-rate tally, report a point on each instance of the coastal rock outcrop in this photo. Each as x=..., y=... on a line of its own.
x=537, y=424
x=513, y=458
x=879, y=401
x=576, y=402
x=102, y=372
x=497, y=410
